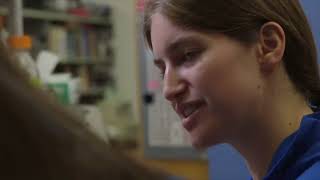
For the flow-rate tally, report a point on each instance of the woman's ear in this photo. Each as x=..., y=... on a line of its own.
x=272, y=42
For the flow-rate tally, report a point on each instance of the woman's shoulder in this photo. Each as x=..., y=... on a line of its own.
x=309, y=161
x=299, y=156
x=312, y=173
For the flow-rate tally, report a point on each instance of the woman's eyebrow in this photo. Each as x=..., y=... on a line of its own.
x=182, y=41
x=177, y=44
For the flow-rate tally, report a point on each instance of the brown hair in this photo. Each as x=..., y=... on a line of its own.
x=241, y=21
x=41, y=140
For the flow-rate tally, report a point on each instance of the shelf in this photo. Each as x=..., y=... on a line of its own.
x=94, y=91
x=48, y=15
x=91, y=96
x=83, y=61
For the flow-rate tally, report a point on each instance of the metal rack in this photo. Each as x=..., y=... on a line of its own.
x=83, y=61
x=58, y=16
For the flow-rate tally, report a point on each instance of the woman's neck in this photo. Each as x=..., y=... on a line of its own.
x=279, y=116
x=259, y=148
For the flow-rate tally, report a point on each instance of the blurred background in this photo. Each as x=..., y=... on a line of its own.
x=90, y=55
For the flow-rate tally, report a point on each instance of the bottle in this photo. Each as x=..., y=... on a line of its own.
x=21, y=46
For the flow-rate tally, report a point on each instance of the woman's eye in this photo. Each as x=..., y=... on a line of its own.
x=190, y=56
x=162, y=74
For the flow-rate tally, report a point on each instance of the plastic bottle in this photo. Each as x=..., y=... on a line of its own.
x=21, y=46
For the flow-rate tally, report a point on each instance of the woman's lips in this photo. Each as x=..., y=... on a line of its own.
x=190, y=121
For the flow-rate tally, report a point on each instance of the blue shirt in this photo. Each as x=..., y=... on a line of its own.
x=298, y=156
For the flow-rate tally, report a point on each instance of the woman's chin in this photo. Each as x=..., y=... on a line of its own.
x=202, y=146
x=206, y=134
x=203, y=142
x=199, y=144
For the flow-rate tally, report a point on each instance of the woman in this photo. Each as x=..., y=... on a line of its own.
x=39, y=140
x=243, y=73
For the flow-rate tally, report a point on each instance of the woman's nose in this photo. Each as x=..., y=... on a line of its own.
x=173, y=85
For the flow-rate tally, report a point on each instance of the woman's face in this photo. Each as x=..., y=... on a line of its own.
x=212, y=81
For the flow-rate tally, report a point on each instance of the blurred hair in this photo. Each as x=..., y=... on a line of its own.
x=241, y=20
x=40, y=140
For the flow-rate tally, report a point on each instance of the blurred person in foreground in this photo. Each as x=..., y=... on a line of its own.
x=39, y=140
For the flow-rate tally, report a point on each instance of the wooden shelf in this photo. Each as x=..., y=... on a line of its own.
x=48, y=15
x=83, y=61
x=94, y=91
